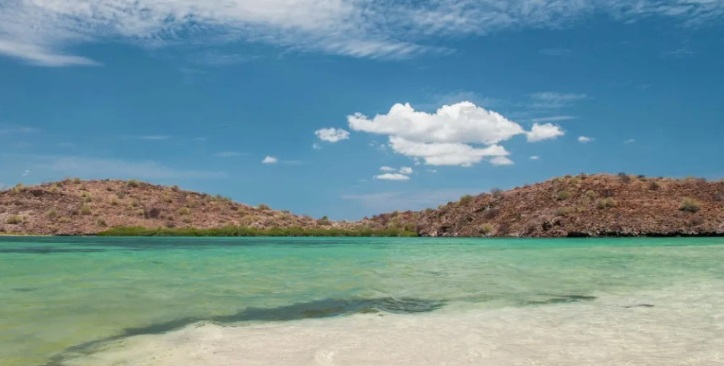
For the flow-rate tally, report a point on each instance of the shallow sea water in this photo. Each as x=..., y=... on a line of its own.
x=361, y=301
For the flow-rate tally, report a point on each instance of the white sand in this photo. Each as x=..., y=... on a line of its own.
x=685, y=327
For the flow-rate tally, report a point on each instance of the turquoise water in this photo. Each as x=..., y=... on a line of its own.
x=64, y=296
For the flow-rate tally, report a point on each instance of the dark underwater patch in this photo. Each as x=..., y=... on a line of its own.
x=561, y=299
x=24, y=289
x=325, y=308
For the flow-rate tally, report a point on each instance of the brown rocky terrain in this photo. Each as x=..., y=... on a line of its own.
x=75, y=207
x=583, y=205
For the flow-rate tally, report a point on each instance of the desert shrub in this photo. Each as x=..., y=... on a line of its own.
x=490, y=213
x=605, y=203
x=247, y=231
x=324, y=221
x=51, y=214
x=220, y=198
x=695, y=180
x=101, y=223
x=18, y=188
x=183, y=211
x=263, y=206
x=563, y=195
x=485, y=229
x=77, y=180
x=718, y=196
x=153, y=213
x=625, y=178
x=85, y=210
x=591, y=194
x=503, y=229
x=496, y=192
x=133, y=183
x=113, y=200
x=689, y=205
x=14, y=220
x=654, y=186
x=565, y=211
x=466, y=199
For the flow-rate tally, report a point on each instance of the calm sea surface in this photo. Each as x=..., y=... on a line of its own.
x=325, y=301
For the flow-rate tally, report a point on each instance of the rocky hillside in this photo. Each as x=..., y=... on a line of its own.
x=583, y=205
x=75, y=207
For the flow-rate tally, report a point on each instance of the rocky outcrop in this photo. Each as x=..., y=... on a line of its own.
x=75, y=207
x=579, y=206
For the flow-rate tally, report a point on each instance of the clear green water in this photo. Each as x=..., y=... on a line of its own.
x=61, y=294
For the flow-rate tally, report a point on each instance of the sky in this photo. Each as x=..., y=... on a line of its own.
x=349, y=108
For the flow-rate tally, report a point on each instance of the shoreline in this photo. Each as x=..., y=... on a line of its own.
x=628, y=327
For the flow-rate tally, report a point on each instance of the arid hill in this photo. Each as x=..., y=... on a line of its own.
x=583, y=205
x=75, y=207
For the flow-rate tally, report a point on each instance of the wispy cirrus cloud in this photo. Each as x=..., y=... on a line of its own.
x=554, y=100
x=154, y=137
x=45, y=32
x=13, y=129
x=553, y=119
x=556, y=52
x=59, y=166
x=229, y=154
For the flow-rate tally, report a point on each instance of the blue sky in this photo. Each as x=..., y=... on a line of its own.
x=350, y=108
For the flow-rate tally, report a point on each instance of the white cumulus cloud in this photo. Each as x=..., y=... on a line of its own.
x=461, y=134
x=392, y=176
x=270, y=160
x=332, y=134
x=457, y=123
x=387, y=169
x=535, y=157
x=544, y=132
x=406, y=170
x=501, y=160
x=585, y=139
